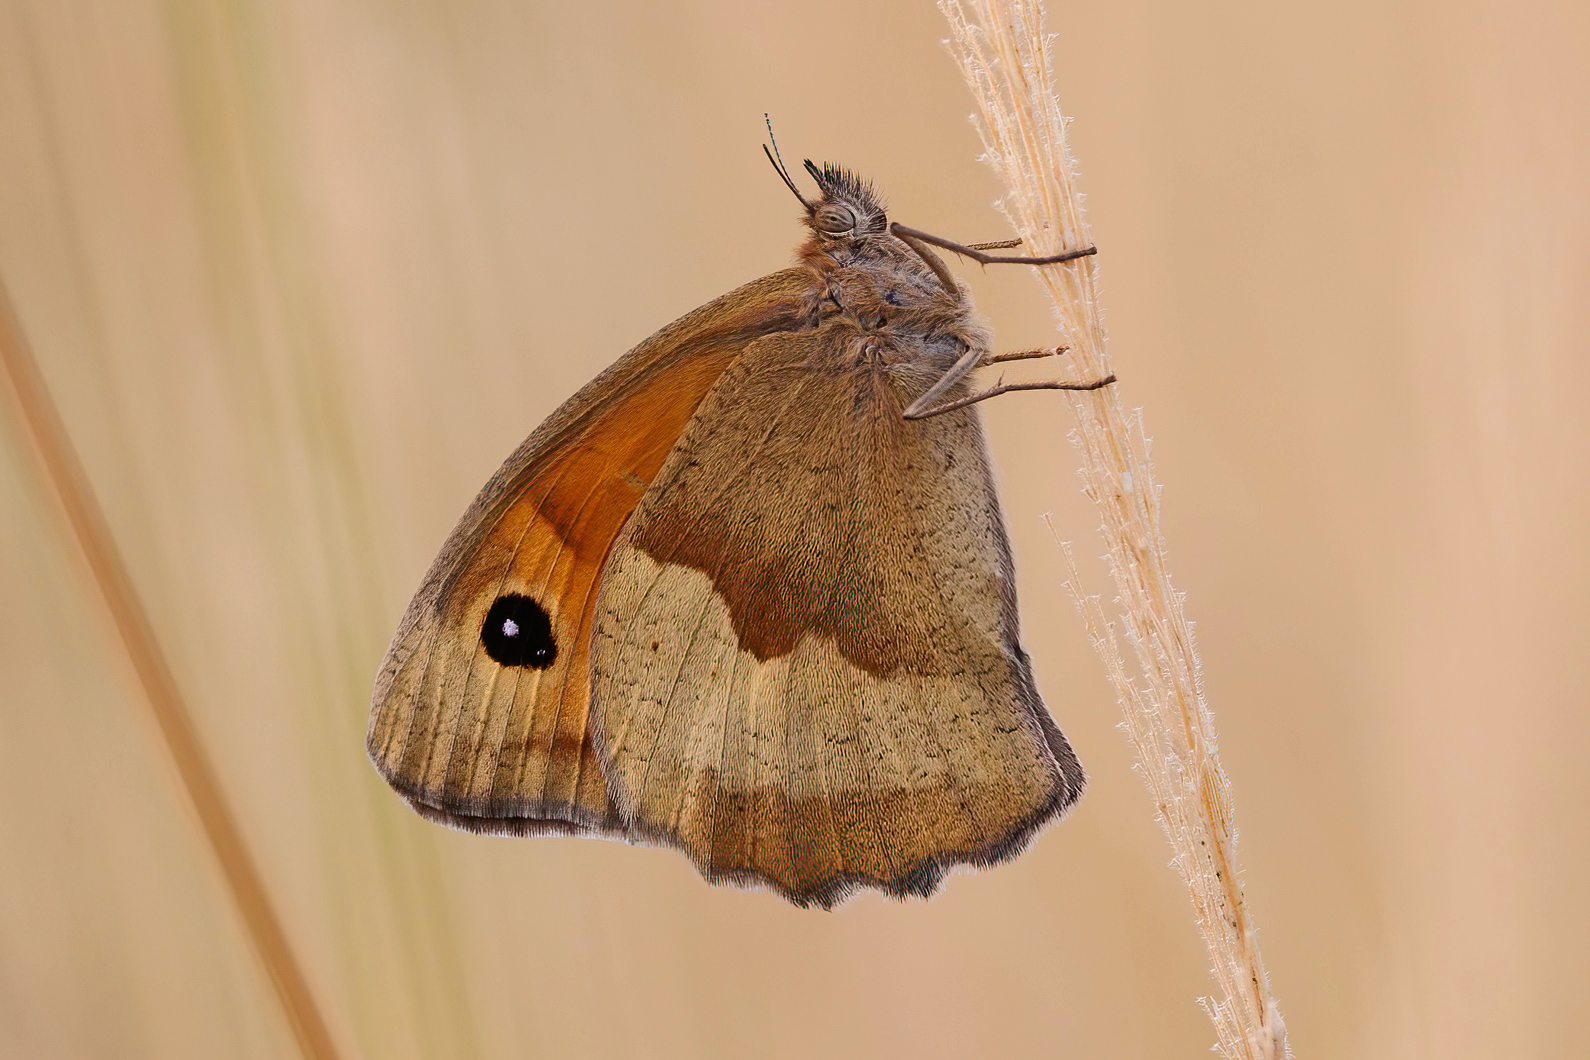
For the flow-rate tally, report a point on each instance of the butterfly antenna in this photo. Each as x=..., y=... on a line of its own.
x=777, y=161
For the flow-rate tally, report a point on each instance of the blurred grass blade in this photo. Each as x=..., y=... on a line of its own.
x=64, y=473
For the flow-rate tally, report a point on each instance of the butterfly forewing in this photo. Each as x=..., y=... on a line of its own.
x=481, y=707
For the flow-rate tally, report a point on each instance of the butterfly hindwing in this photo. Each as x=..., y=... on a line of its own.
x=480, y=710
x=806, y=661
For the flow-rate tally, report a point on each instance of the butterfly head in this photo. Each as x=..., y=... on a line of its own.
x=849, y=207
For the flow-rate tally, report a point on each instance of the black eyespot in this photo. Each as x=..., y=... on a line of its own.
x=517, y=632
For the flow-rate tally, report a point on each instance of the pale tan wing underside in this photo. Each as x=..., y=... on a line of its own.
x=482, y=745
x=807, y=668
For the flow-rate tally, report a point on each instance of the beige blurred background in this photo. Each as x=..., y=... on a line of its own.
x=300, y=273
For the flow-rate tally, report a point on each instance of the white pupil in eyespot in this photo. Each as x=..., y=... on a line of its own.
x=510, y=628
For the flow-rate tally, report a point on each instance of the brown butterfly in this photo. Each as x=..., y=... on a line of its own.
x=748, y=593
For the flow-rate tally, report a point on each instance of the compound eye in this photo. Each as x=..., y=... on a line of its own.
x=834, y=220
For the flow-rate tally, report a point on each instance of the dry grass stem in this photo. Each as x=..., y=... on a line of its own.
x=1003, y=51
x=63, y=472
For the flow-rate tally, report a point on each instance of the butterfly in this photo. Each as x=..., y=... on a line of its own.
x=749, y=593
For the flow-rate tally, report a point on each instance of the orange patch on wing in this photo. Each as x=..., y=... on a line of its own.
x=621, y=452
x=551, y=544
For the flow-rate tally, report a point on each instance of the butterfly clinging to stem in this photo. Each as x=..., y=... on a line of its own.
x=748, y=593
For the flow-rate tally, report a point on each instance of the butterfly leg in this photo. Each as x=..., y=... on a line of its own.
x=923, y=407
x=921, y=410
x=913, y=236
x=970, y=360
x=1024, y=355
